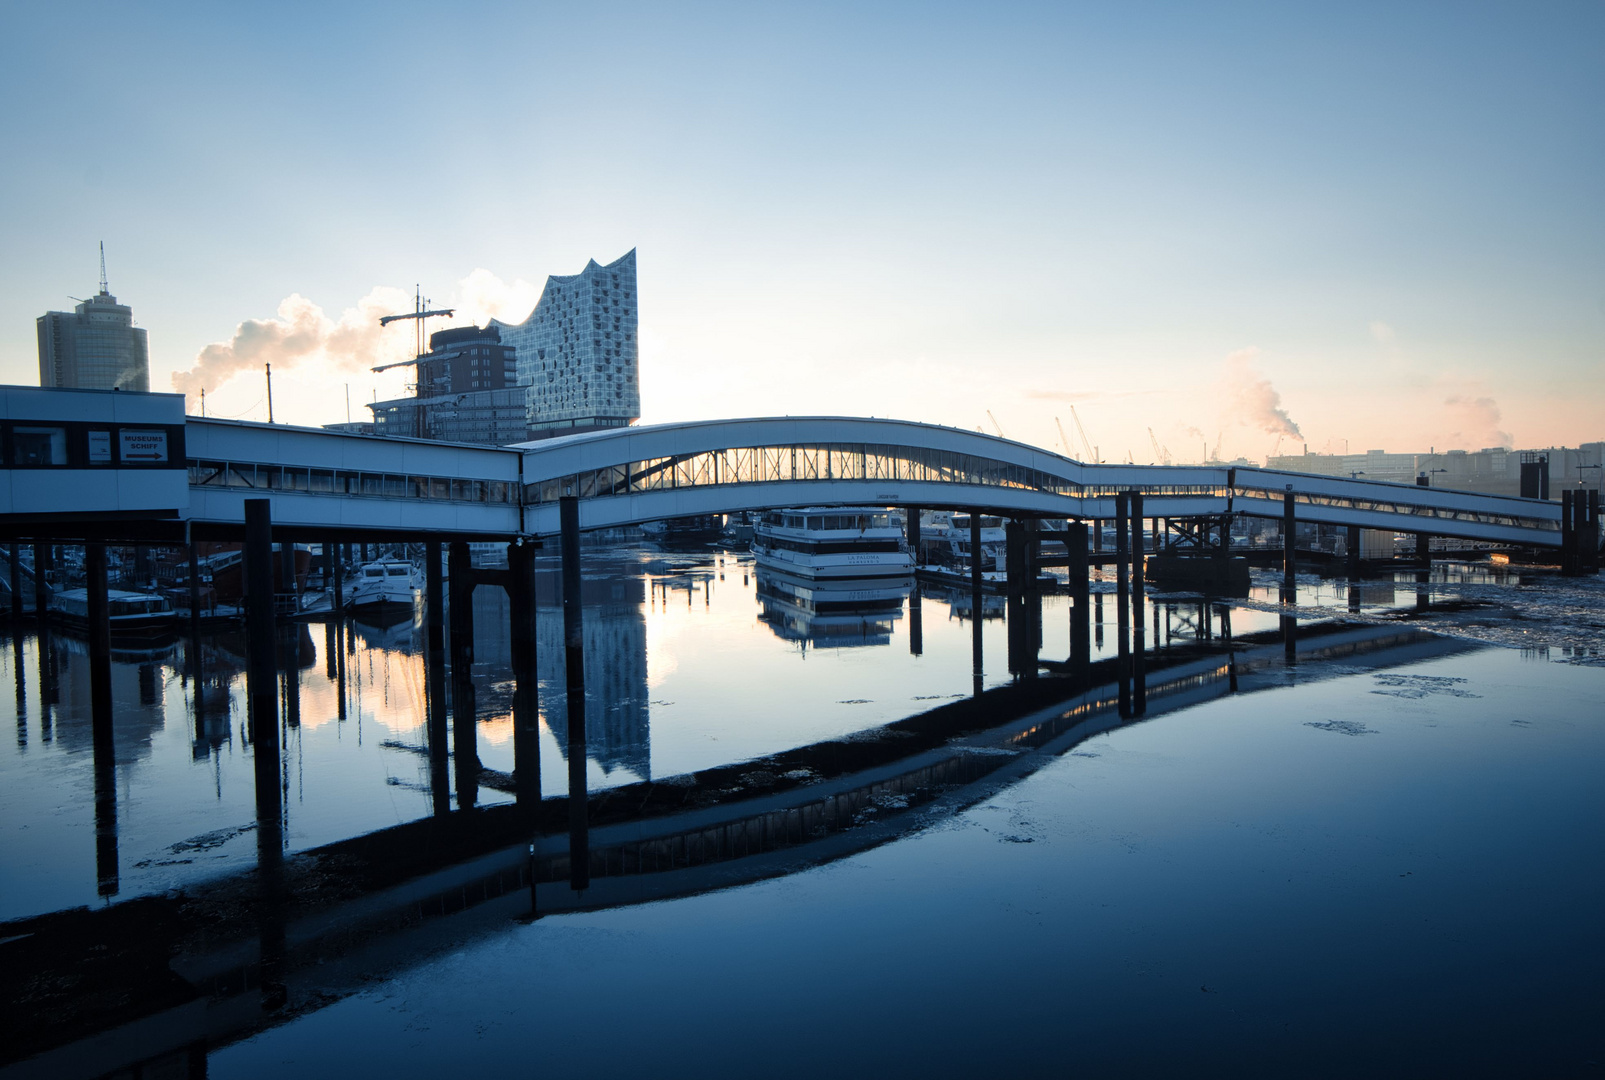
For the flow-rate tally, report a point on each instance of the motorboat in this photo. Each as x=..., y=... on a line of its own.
x=127, y=612
x=832, y=543
x=386, y=583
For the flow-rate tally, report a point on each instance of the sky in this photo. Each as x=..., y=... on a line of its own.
x=1248, y=227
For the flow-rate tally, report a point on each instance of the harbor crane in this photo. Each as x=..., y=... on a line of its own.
x=1161, y=454
x=995, y=424
x=1092, y=451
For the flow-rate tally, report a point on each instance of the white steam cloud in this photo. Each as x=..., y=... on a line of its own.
x=302, y=335
x=1476, y=422
x=1252, y=400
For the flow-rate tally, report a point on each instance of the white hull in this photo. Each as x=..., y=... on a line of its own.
x=395, y=586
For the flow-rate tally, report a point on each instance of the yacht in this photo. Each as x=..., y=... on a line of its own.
x=832, y=543
x=128, y=612
x=945, y=541
x=388, y=583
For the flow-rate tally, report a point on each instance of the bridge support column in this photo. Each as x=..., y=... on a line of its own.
x=335, y=566
x=1352, y=555
x=1014, y=557
x=1080, y=615
x=521, y=637
x=464, y=734
x=976, y=609
x=262, y=660
x=1590, y=535
x=434, y=601
x=16, y=582
x=574, y=667
x=41, y=586
x=912, y=531
x=1123, y=602
x=1139, y=612
x=100, y=697
x=1569, y=545
x=1289, y=544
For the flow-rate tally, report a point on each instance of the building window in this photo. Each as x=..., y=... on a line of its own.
x=39, y=445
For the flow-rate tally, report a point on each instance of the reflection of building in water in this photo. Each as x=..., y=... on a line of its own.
x=961, y=603
x=835, y=614
x=617, y=723
x=138, y=687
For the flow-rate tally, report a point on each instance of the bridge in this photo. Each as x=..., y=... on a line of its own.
x=135, y=467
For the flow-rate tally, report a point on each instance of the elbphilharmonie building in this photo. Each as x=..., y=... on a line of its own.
x=578, y=351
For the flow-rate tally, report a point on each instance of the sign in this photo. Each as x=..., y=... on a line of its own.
x=99, y=446
x=143, y=444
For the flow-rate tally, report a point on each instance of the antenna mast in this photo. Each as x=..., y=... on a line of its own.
x=104, y=291
x=269, y=368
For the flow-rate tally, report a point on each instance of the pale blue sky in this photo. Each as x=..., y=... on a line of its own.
x=1391, y=212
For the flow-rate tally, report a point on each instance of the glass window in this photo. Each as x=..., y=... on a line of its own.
x=439, y=488
x=295, y=480
x=498, y=491
x=39, y=445
x=240, y=475
x=373, y=484
x=396, y=486
x=321, y=481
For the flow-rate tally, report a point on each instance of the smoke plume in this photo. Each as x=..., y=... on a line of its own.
x=1252, y=400
x=302, y=333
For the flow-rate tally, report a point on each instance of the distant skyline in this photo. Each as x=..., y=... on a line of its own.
x=1362, y=227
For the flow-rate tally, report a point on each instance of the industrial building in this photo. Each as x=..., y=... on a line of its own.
x=1493, y=471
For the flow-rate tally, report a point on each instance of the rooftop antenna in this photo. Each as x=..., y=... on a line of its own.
x=269, y=368
x=104, y=291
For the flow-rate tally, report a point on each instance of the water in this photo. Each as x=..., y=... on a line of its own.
x=1414, y=835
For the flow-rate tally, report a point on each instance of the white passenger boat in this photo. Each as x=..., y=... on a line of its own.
x=832, y=543
x=128, y=612
x=384, y=584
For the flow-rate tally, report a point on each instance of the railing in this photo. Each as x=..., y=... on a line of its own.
x=306, y=481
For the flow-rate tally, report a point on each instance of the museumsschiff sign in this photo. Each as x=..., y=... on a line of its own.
x=140, y=444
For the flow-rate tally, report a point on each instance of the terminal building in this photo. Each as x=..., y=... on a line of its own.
x=96, y=346
x=1493, y=471
x=571, y=366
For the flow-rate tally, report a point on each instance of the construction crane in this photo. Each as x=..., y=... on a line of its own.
x=995, y=424
x=1092, y=451
x=1161, y=454
x=420, y=312
x=1064, y=440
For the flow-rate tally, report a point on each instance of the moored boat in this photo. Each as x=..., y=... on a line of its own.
x=127, y=612
x=832, y=543
x=386, y=584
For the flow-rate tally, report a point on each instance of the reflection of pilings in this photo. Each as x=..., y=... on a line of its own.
x=521, y=646
x=22, y=687
x=1123, y=600
x=435, y=600
x=262, y=689
x=1097, y=619
x=16, y=581
x=976, y=657
x=916, y=623
x=574, y=666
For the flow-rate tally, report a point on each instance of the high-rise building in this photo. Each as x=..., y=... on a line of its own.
x=466, y=390
x=578, y=352
x=96, y=346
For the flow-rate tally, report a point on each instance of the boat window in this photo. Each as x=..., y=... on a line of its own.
x=813, y=523
x=373, y=572
x=39, y=445
x=397, y=571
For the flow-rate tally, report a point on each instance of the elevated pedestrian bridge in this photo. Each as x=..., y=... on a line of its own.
x=629, y=475
x=77, y=461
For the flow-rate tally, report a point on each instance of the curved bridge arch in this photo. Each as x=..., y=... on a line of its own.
x=626, y=476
